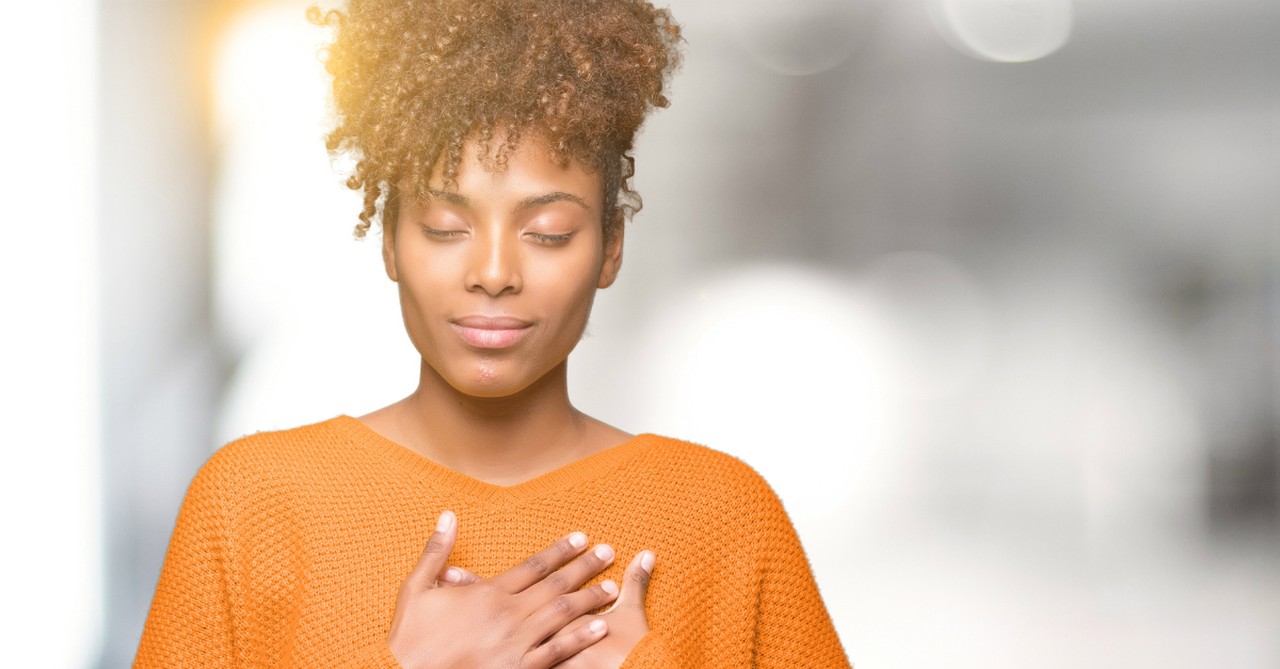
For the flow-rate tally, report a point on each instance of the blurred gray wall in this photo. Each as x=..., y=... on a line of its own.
x=160, y=370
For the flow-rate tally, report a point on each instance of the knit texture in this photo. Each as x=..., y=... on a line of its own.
x=291, y=546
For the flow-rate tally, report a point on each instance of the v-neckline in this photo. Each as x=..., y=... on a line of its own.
x=580, y=470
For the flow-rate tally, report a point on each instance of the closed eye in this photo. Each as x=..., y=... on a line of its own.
x=437, y=233
x=550, y=240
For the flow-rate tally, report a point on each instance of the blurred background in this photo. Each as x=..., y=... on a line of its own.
x=988, y=289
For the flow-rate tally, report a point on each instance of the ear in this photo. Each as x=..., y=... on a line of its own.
x=612, y=254
x=389, y=251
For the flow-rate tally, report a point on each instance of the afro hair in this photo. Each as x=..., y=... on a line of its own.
x=414, y=80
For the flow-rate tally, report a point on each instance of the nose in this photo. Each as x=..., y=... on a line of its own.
x=494, y=265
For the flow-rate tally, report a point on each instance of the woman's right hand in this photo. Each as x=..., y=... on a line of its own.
x=518, y=618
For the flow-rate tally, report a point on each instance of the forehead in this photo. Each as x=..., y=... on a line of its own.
x=501, y=174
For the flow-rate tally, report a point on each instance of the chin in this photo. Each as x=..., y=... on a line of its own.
x=488, y=381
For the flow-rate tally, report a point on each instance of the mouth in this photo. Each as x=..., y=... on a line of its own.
x=491, y=331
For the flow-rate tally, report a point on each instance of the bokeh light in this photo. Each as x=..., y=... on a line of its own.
x=758, y=343
x=801, y=37
x=1009, y=31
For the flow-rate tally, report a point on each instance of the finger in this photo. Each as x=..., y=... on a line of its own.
x=436, y=553
x=541, y=564
x=565, y=645
x=571, y=576
x=457, y=576
x=553, y=616
x=635, y=583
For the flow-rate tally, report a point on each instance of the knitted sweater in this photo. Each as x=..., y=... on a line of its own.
x=290, y=547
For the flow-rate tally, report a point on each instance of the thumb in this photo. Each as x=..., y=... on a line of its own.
x=635, y=582
x=436, y=554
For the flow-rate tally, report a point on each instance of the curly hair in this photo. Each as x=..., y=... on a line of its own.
x=414, y=80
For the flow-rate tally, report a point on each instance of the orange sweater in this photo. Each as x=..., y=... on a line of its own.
x=290, y=548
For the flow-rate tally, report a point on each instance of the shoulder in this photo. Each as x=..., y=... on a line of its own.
x=695, y=458
x=266, y=449
x=277, y=459
x=702, y=471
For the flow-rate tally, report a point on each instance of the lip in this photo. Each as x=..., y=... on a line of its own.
x=491, y=331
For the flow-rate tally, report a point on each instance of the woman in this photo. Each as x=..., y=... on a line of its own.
x=494, y=147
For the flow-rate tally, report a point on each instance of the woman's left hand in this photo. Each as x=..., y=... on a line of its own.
x=626, y=619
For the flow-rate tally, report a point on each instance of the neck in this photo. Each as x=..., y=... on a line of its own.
x=501, y=440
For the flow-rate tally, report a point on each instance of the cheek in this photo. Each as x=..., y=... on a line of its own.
x=420, y=294
x=412, y=314
x=570, y=280
x=577, y=294
x=425, y=276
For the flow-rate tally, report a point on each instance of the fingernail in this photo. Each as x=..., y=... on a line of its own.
x=646, y=561
x=604, y=552
x=577, y=540
x=444, y=522
x=452, y=575
x=597, y=626
x=610, y=587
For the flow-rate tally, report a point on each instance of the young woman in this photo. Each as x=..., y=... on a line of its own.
x=494, y=145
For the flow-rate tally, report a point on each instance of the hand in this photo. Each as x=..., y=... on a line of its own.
x=626, y=620
x=530, y=616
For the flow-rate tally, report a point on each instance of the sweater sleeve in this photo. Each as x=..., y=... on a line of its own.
x=793, y=628
x=758, y=605
x=189, y=624
x=229, y=591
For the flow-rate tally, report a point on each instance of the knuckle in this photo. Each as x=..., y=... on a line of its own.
x=434, y=545
x=558, y=582
x=556, y=649
x=640, y=577
x=538, y=565
x=562, y=605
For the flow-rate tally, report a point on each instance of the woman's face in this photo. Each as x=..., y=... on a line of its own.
x=497, y=276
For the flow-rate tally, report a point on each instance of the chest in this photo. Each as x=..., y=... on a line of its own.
x=310, y=586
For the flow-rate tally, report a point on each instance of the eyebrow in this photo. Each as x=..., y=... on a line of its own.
x=548, y=198
x=527, y=203
x=451, y=198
